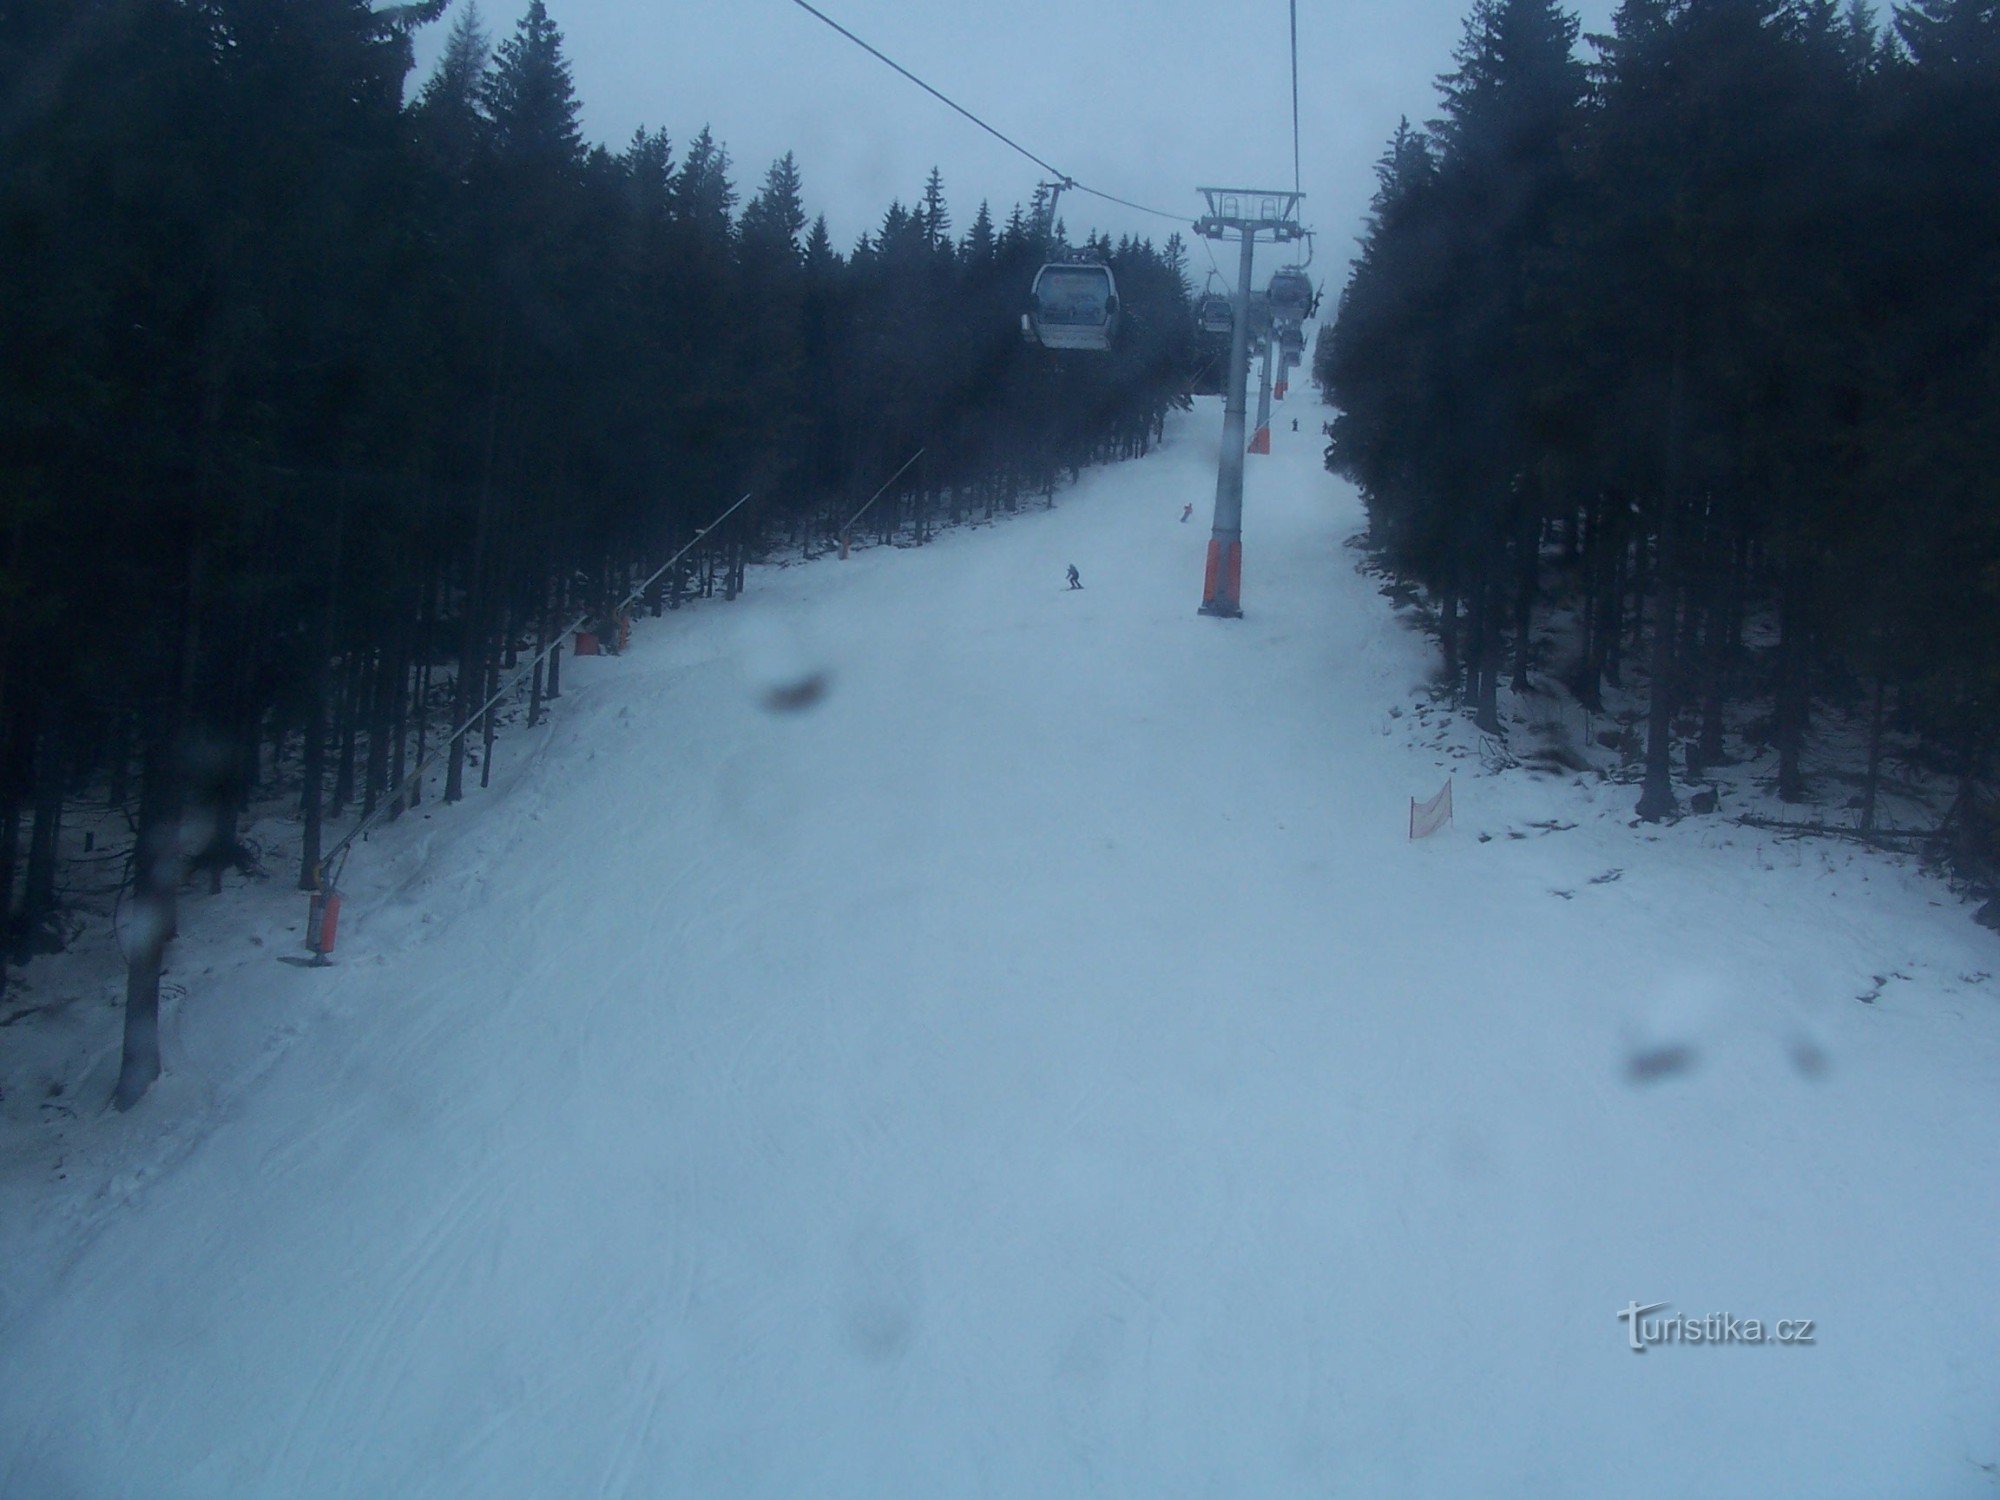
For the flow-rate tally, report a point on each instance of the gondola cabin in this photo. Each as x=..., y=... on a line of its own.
x=1291, y=295
x=1215, y=314
x=1073, y=307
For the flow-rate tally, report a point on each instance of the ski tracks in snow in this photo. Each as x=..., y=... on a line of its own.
x=366, y=1372
x=1038, y=1065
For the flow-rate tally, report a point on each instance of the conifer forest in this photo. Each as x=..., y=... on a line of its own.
x=1672, y=357
x=326, y=397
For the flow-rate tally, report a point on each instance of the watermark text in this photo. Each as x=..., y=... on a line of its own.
x=1648, y=1326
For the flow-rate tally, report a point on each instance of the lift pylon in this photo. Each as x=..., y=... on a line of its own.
x=1244, y=213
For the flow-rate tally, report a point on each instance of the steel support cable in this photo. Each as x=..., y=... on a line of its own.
x=1006, y=140
x=1297, y=185
x=336, y=857
x=1205, y=245
x=883, y=491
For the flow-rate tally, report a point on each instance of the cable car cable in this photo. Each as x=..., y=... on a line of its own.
x=1067, y=180
x=1205, y=245
x=1158, y=213
x=1297, y=185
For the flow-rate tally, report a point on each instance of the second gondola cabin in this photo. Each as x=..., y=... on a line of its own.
x=1072, y=307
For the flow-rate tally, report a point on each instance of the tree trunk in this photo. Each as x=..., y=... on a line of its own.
x=1715, y=667
x=472, y=638
x=489, y=685
x=119, y=757
x=38, y=898
x=1487, y=713
x=421, y=707
x=1656, y=799
x=314, y=777
x=1611, y=639
x=10, y=853
x=348, y=703
x=398, y=686
x=535, y=685
x=1475, y=645
x=149, y=921
x=1448, y=633
x=236, y=787
x=1873, y=780
x=158, y=861
x=315, y=750
x=1794, y=703
x=1528, y=540
x=381, y=714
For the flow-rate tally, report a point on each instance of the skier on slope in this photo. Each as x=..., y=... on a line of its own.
x=1075, y=579
x=1186, y=511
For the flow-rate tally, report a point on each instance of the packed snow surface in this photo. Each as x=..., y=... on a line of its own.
x=1037, y=1064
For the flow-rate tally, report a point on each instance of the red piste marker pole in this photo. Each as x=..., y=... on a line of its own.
x=322, y=924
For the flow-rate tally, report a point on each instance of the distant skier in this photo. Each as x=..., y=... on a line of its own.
x=1295, y=424
x=1186, y=511
x=1075, y=579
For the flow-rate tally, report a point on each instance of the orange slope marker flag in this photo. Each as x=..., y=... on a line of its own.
x=1426, y=818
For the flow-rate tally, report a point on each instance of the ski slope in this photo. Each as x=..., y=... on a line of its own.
x=1041, y=1067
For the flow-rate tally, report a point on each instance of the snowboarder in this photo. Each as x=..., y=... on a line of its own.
x=1075, y=580
x=1295, y=424
x=1186, y=511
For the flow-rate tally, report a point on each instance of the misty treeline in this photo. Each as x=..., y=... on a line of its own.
x=1680, y=367
x=326, y=400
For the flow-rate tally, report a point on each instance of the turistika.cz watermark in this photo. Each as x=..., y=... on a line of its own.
x=1643, y=1332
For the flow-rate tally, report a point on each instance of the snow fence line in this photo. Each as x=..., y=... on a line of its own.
x=1426, y=818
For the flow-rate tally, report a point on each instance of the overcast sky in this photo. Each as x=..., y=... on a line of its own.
x=1144, y=99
